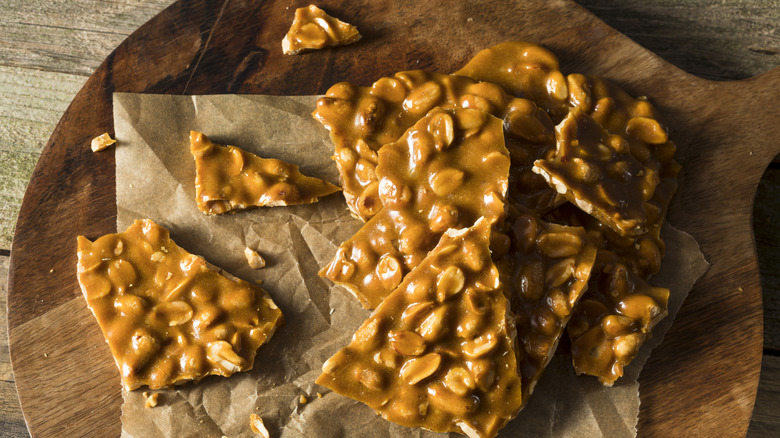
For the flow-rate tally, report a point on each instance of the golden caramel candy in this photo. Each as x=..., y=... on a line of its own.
x=448, y=170
x=228, y=178
x=595, y=170
x=363, y=119
x=166, y=316
x=438, y=353
x=614, y=319
x=638, y=122
x=313, y=29
x=545, y=272
x=524, y=69
x=641, y=255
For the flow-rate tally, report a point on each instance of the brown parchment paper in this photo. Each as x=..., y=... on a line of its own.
x=155, y=179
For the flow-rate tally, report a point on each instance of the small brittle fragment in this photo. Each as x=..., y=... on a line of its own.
x=228, y=179
x=448, y=170
x=438, y=353
x=101, y=142
x=313, y=29
x=166, y=316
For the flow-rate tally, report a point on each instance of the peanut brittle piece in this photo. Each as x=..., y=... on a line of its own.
x=447, y=171
x=544, y=274
x=595, y=170
x=313, y=29
x=524, y=69
x=641, y=255
x=228, y=179
x=613, y=319
x=638, y=122
x=363, y=119
x=166, y=316
x=438, y=353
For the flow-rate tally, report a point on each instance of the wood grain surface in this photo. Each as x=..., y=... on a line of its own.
x=206, y=59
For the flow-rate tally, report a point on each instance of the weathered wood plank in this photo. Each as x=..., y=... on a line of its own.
x=68, y=36
x=12, y=422
x=723, y=40
x=31, y=103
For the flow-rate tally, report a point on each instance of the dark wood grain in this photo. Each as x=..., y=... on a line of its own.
x=709, y=362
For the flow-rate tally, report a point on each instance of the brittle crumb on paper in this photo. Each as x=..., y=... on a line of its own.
x=255, y=260
x=151, y=399
x=257, y=425
x=101, y=142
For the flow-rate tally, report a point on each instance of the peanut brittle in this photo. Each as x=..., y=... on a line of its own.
x=524, y=69
x=166, y=316
x=448, y=170
x=638, y=122
x=438, y=353
x=641, y=255
x=613, y=319
x=596, y=171
x=363, y=119
x=228, y=178
x=313, y=29
x=544, y=273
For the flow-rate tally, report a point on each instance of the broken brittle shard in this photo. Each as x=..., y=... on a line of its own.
x=448, y=170
x=545, y=273
x=313, y=29
x=361, y=120
x=166, y=316
x=438, y=353
x=228, y=178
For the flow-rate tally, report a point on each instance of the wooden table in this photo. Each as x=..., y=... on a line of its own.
x=48, y=49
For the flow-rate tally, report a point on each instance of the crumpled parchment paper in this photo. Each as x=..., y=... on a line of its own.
x=155, y=179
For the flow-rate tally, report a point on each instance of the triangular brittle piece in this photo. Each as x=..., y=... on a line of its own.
x=446, y=171
x=438, y=353
x=313, y=29
x=166, y=316
x=228, y=178
x=544, y=274
x=595, y=170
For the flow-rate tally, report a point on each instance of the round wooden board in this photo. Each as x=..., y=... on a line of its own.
x=700, y=382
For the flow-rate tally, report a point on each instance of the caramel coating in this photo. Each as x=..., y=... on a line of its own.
x=438, y=353
x=228, y=178
x=544, y=273
x=448, y=170
x=313, y=29
x=166, y=316
x=363, y=119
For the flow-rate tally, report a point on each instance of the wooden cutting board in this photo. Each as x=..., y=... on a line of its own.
x=700, y=382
